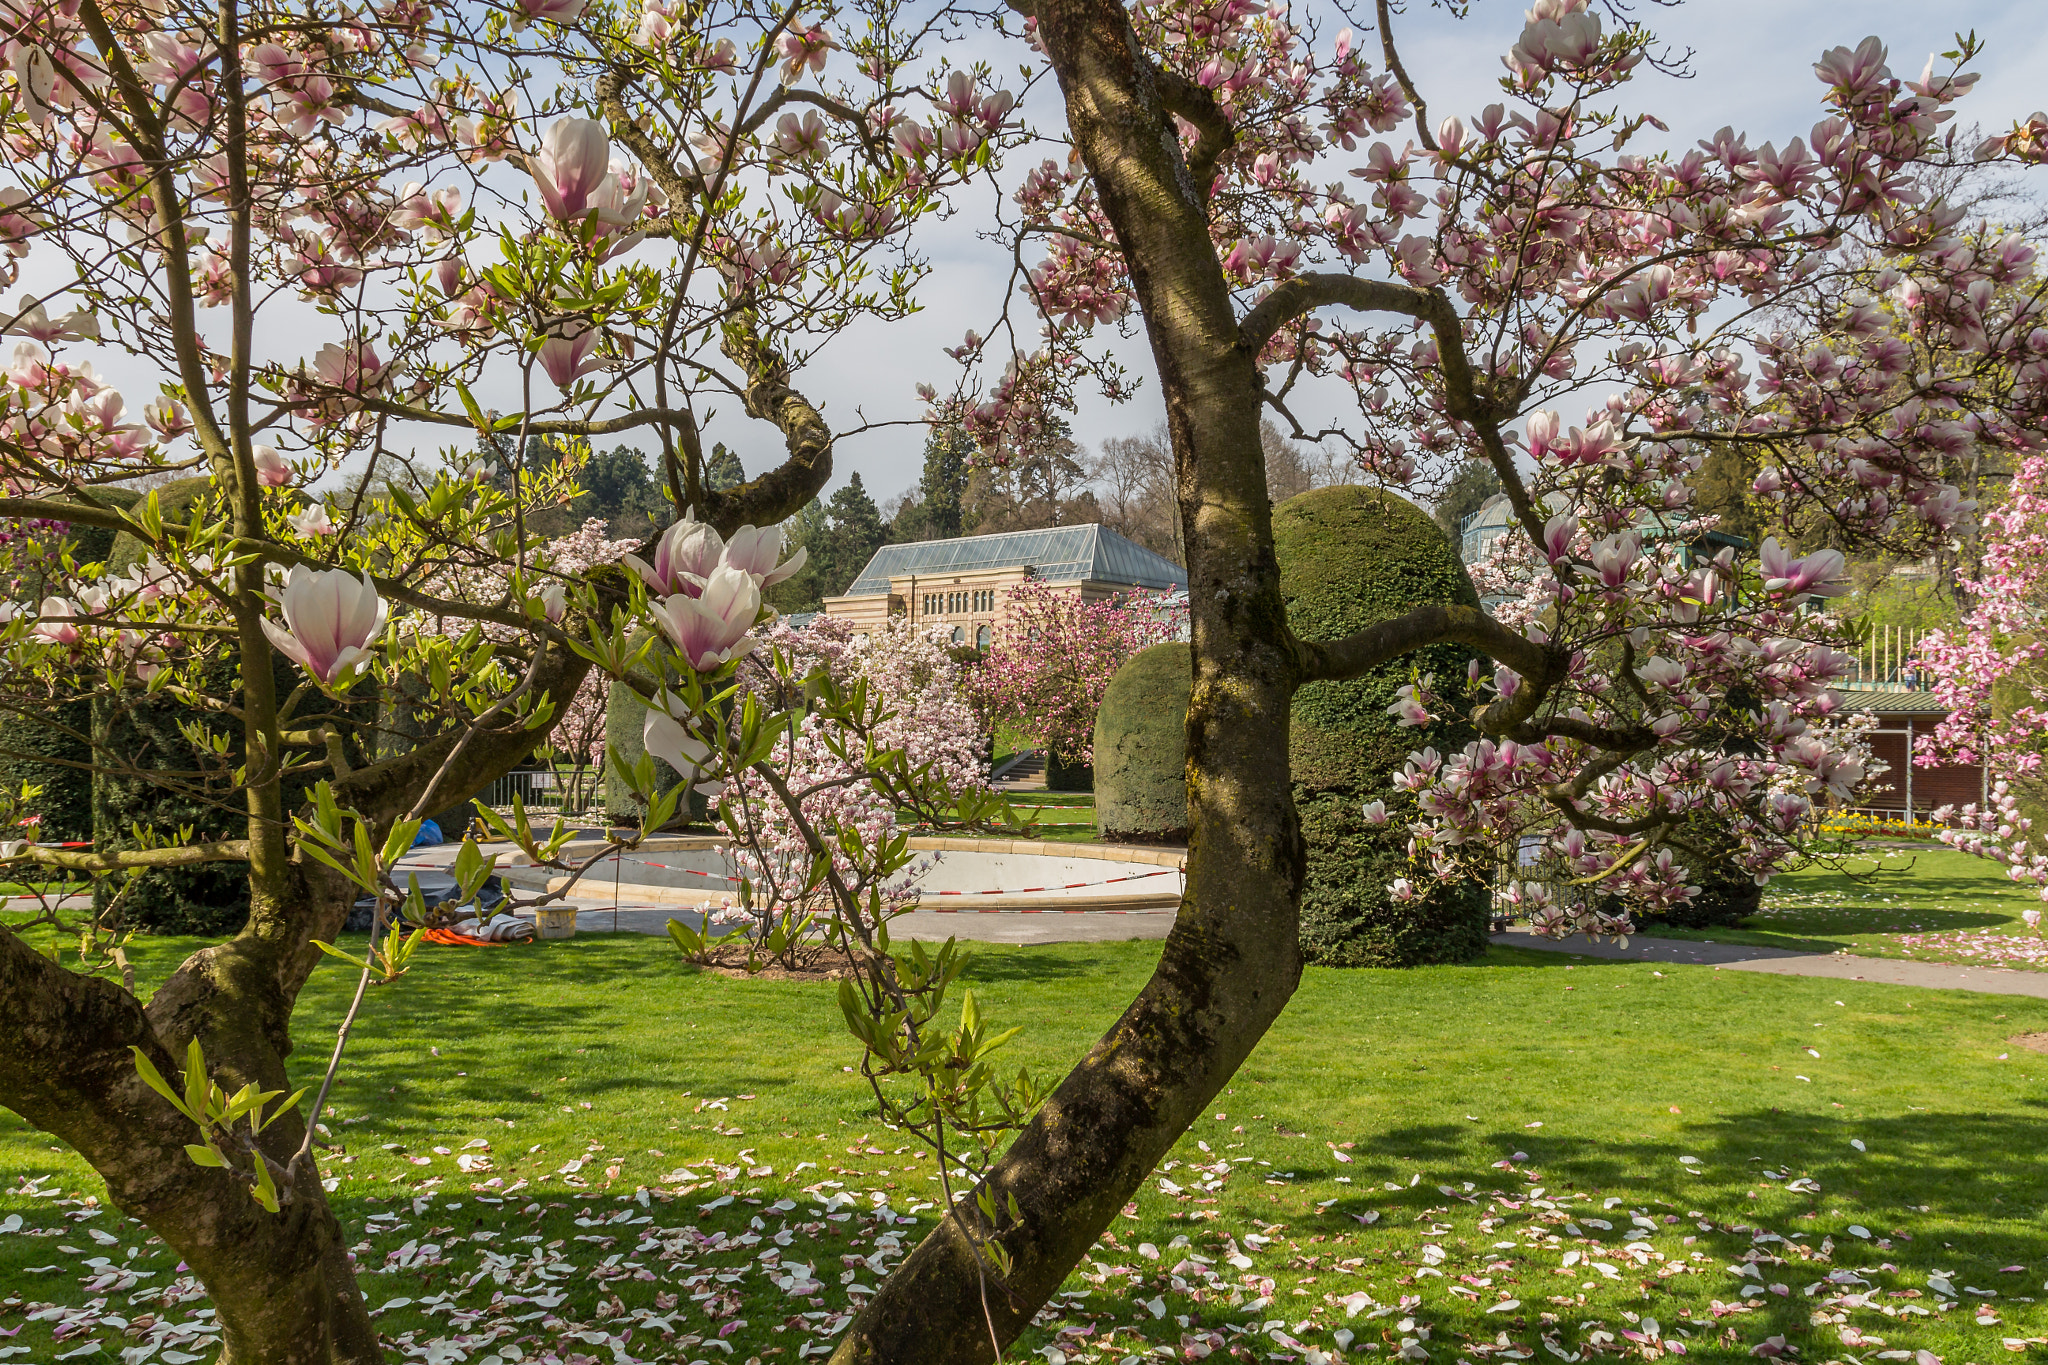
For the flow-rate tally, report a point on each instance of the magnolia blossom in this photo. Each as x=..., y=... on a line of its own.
x=1817, y=574
x=577, y=177
x=271, y=469
x=330, y=618
x=684, y=556
x=689, y=551
x=666, y=738
x=710, y=629
x=554, y=11
x=313, y=521
x=56, y=627
x=570, y=352
x=33, y=322
x=801, y=50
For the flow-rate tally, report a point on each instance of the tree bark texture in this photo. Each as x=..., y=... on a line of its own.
x=1232, y=960
x=282, y=1283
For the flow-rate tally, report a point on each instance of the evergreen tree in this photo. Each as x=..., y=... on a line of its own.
x=1470, y=487
x=934, y=514
x=801, y=591
x=857, y=532
x=723, y=470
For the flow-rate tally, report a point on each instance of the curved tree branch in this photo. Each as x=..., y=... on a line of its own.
x=1432, y=625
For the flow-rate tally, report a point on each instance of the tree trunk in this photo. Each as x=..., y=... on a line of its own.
x=1232, y=960
x=281, y=1283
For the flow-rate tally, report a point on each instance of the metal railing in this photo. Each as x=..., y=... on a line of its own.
x=556, y=791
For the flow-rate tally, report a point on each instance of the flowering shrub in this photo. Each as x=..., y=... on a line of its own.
x=1050, y=661
x=918, y=693
x=1988, y=672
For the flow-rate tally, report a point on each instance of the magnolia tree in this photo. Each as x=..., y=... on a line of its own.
x=1809, y=305
x=1988, y=673
x=542, y=219
x=1052, y=658
x=312, y=244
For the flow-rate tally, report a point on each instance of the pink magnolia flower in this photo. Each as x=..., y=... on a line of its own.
x=353, y=368
x=313, y=521
x=1818, y=573
x=753, y=551
x=330, y=618
x=56, y=627
x=1558, y=533
x=1615, y=556
x=711, y=629
x=570, y=352
x=271, y=469
x=553, y=11
x=684, y=557
x=575, y=157
x=803, y=49
x=34, y=322
x=664, y=737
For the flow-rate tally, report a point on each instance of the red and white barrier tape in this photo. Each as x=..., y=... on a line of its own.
x=1005, y=891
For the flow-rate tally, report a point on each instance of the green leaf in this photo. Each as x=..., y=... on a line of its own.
x=154, y=1079
x=204, y=1156
x=195, y=1081
x=332, y=951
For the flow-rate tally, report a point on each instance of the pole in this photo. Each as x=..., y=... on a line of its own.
x=1909, y=772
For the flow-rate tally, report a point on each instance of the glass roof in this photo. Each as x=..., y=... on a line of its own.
x=1058, y=554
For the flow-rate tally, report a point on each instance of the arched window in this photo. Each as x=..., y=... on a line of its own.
x=959, y=636
x=981, y=638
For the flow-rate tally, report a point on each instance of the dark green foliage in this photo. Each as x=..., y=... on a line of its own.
x=1061, y=776
x=857, y=532
x=624, y=714
x=41, y=747
x=841, y=535
x=52, y=747
x=723, y=469
x=1721, y=489
x=1141, y=793
x=1471, y=486
x=935, y=513
x=803, y=590
x=1350, y=557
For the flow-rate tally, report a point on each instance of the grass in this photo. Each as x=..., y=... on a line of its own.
x=1930, y=905
x=1449, y=1142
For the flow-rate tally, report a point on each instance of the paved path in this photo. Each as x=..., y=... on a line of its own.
x=597, y=913
x=1740, y=957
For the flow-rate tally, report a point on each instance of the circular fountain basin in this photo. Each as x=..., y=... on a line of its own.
x=964, y=876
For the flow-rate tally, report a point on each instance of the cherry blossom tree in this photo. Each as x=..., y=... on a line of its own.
x=1988, y=673
x=1051, y=660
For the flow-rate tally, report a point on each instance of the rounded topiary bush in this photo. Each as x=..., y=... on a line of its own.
x=1141, y=793
x=1350, y=557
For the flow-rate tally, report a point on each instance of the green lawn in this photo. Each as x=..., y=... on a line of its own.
x=1524, y=1154
x=1929, y=904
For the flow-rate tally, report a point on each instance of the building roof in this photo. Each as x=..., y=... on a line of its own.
x=1058, y=554
x=1892, y=701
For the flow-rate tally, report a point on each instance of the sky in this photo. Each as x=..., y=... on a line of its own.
x=1752, y=69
